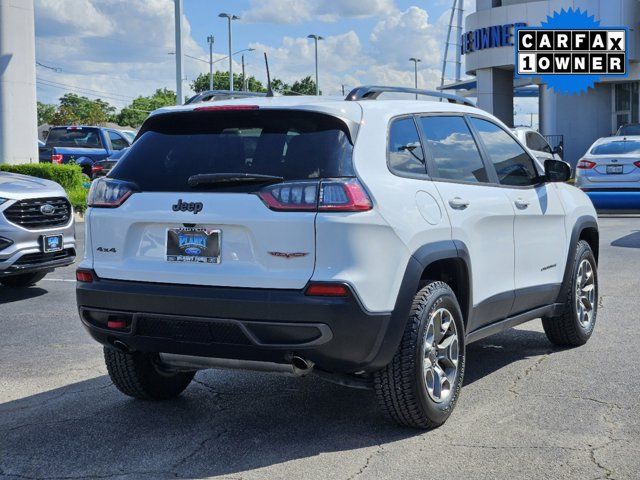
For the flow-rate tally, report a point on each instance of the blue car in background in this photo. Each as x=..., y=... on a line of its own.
x=82, y=145
x=609, y=173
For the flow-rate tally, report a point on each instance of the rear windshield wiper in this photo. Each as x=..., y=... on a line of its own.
x=231, y=178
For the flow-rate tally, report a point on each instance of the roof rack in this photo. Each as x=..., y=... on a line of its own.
x=371, y=92
x=212, y=95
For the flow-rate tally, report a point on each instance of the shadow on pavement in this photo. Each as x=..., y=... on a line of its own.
x=225, y=422
x=8, y=294
x=628, y=241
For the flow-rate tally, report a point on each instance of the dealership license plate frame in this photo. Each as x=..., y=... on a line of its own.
x=45, y=243
x=177, y=246
x=615, y=169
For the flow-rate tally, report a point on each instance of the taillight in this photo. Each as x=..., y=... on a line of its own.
x=84, y=276
x=109, y=193
x=637, y=164
x=96, y=168
x=326, y=290
x=56, y=158
x=585, y=164
x=333, y=195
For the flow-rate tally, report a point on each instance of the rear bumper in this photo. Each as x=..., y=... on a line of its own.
x=336, y=333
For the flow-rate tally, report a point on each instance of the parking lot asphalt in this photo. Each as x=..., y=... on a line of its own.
x=527, y=410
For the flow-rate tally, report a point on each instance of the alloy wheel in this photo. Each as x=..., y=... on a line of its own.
x=440, y=355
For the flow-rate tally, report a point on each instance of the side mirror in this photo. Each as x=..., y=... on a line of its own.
x=557, y=170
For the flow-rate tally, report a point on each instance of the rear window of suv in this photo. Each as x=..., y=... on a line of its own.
x=79, y=137
x=286, y=143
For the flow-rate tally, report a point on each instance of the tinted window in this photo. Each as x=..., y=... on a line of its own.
x=616, y=148
x=513, y=165
x=295, y=145
x=405, y=151
x=633, y=129
x=80, y=137
x=537, y=142
x=117, y=142
x=453, y=149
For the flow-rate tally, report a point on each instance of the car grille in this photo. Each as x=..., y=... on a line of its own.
x=27, y=213
x=191, y=331
x=34, y=258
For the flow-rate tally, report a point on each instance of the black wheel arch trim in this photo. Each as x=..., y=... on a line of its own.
x=418, y=263
x=582, y=223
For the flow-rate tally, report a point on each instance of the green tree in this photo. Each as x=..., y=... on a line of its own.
x=74, y=110
x=279, y=86
x=45, y=113
x=136, y=113
x=306, y=86
x=221, y=82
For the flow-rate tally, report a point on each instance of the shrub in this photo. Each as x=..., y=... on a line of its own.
x=69, y=177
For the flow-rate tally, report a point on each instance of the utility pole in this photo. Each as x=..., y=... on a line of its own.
x=415, y=72
x=230, y=18
x=315, y=39
x=244, y=83
x=178, y=19
x=210, y=39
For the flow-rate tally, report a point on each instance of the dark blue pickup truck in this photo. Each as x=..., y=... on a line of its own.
x=81, y=145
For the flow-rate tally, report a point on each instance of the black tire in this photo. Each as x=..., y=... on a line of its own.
x=138, y=375
x=23, y=280
x=401, y=387
x=566, y=329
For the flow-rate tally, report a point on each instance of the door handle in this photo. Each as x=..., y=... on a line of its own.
x=521, y=203
x=458, y=203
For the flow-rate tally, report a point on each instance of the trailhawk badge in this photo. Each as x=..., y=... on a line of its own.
x=288, y=255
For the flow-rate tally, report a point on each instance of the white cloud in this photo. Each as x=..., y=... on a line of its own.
x=298, y=11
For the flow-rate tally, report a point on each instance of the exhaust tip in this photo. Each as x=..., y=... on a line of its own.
x=120, y=345
x=300, y=365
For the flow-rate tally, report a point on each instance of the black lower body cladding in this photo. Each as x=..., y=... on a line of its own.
x=336, y=333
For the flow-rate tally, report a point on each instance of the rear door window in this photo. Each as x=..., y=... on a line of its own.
x=453, y=149
x=513, y=164
x=117, y=141
x=405, y=153
x=78, y=137
x=286, y=143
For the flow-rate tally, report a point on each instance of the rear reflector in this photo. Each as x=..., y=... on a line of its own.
x=585, y=164
x=327, y=290
x=116, y=323
x=84, y=276
x=56, y=158
x=212, y=108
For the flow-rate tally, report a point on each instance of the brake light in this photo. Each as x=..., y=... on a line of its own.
x=211, y=108
x=56, y=158
x=585, y=164
x=96, y=168
x=84, y=276
x=109, y=193
x=637, y=164
x=334, y=195
x=327, y=290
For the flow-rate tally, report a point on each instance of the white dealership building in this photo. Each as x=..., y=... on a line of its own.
x=579, y=119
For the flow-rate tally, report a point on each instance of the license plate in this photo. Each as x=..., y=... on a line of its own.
x=52, y=243
x=613, y=169
x=192, y=244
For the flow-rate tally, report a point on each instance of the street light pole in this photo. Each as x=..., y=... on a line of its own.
x=415, y=72
x=210, y=39
x=230, y=18
x=178, y=20
x=315, y=39
x=244, y=83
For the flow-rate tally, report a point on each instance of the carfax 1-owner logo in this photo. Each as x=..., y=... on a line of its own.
x=571, y=51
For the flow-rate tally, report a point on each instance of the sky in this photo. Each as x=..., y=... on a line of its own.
x=119, y=49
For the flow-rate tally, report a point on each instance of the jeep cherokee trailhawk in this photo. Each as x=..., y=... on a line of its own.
x=362, y=240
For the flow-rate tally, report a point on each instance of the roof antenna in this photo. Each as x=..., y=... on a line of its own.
x=266, y=63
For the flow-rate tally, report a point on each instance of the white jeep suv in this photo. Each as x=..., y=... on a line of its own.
x=364, y=241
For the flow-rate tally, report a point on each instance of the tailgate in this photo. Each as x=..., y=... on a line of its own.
x=130, y=242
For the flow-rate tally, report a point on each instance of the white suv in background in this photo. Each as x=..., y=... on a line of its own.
x=535, y=142
x=365, y=241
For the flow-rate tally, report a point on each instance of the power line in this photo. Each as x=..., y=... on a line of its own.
x=73, y=89
x=85, y=90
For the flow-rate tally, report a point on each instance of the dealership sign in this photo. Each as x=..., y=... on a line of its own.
x=488, y=37
x=571, y=51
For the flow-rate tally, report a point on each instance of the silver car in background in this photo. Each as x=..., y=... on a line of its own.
x=609, y=173
x=37, y=231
